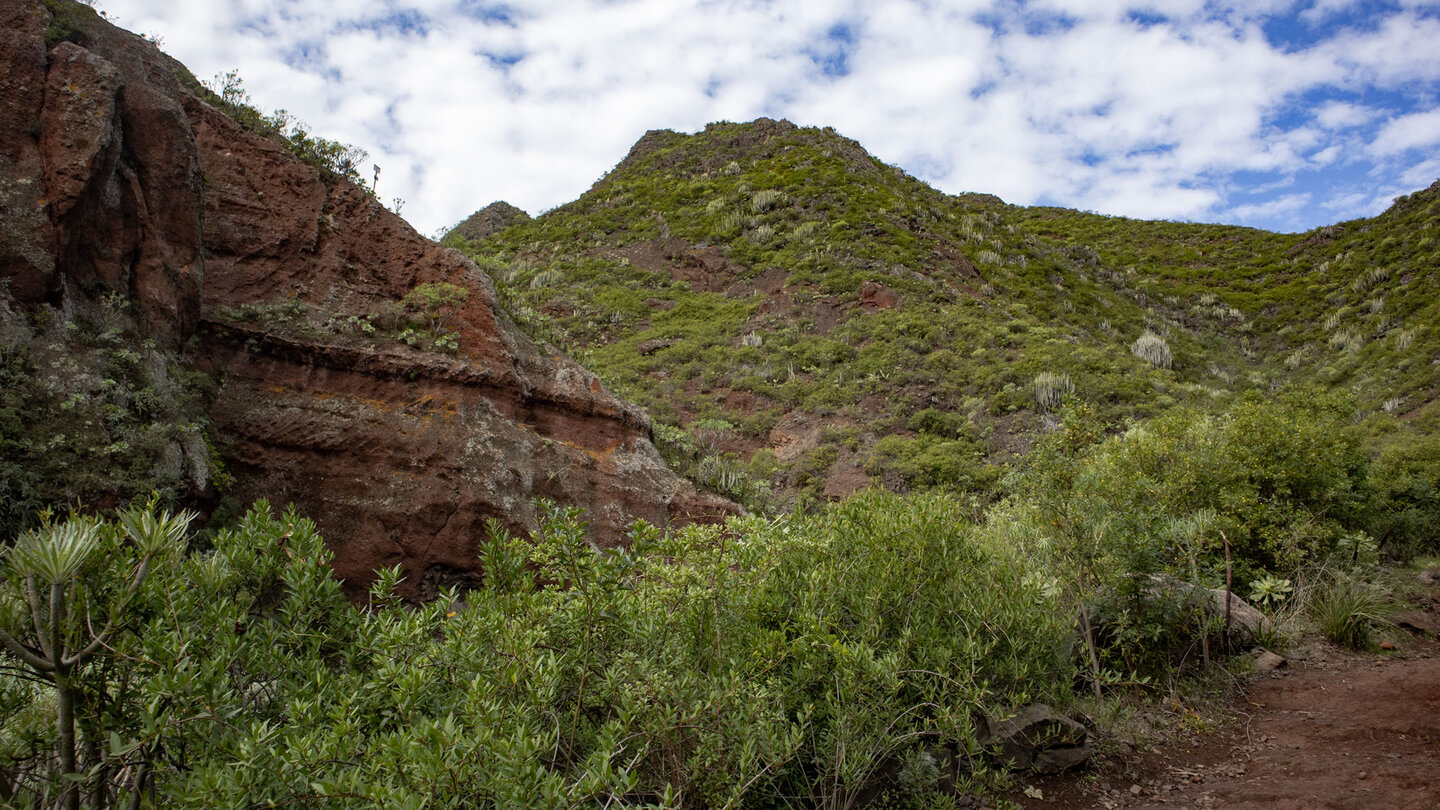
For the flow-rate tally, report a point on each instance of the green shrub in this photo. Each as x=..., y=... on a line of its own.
x=929, y=460
x=1404, y=512
x=762, y=662
x=1268, y=486
x=1284, y=474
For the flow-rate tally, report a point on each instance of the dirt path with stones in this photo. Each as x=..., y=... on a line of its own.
x=1331, y=729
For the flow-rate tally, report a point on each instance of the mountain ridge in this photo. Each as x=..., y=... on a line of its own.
x=786, y=234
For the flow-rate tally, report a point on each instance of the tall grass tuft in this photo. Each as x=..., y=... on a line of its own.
x=1346, y=610
x=546, y=278
x=1050, y=389
x=766, y=199
x=1367, y=280
x=1347, y=340
x=1153, y=349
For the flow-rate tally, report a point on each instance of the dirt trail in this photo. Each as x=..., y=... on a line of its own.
x=1332, y=729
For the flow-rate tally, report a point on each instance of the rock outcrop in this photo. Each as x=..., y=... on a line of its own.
x=117, y=177
x=1037, y=738
x=495, y=217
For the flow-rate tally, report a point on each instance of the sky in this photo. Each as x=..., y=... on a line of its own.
x=1277, y=114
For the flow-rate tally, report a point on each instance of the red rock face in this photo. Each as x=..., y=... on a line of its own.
x=100, y=179
x=27, y=263
x=115, y=178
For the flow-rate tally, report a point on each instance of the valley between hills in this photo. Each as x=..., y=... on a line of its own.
x=763, y=474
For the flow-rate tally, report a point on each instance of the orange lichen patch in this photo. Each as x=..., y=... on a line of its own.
x=434, y=406
x=595, y=454
x=422, y=408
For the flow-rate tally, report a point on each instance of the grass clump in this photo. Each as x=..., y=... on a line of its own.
x=1153, y=349
x=1051, y=388
x=1346, y=610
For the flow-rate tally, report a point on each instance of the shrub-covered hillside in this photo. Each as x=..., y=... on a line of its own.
x=1351, y=305
x=791, y=309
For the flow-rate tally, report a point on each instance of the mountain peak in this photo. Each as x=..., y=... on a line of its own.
x=496, y=216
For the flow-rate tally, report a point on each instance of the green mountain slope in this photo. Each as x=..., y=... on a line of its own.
x=1351, y=304
x=803, y=310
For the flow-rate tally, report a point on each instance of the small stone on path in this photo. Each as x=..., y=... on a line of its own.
x=1266, y=661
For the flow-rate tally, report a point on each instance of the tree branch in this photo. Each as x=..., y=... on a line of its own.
x=33, y=594
x=25, y=654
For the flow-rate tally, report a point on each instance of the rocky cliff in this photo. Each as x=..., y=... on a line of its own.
x=117, y=178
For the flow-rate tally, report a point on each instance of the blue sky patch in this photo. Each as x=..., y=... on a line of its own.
x=492, y=13
x=832, y=55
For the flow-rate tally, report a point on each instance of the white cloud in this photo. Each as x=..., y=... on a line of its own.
x=1355, y=200
x=1279, y=208
x=1407, y=132
x=1322, y=10
x=1418, y=176
x=1101, y=112
x=1342, y=115
x=1326, y=156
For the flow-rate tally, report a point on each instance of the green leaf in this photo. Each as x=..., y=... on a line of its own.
x=153, y=534
x=56, y=553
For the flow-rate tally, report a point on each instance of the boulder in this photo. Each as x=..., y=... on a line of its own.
x=1037, y=738
x=1419, y=621
x=1246, y=623
x=1266, y=661
x=875, y=296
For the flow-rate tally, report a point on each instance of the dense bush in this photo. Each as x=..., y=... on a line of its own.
x=1268, y=485
x=767, y=662
x=1284, y=474
x=927, y=461
x=1405, y=507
